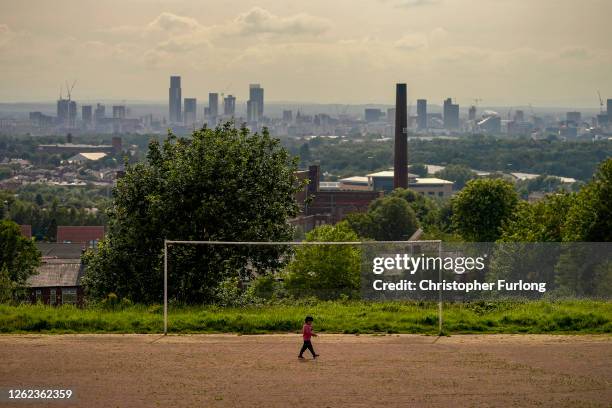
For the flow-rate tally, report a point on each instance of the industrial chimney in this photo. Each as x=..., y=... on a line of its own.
x=400, y=156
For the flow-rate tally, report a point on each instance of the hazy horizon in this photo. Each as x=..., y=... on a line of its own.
x=550, y=53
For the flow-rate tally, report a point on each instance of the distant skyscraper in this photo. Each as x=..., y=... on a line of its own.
x=66, y=113
x=287, y=116
x=422, y=114
x=256, y=97
x=451, y=114
x=99, y=113
x=519, y=116
x=175, y=100
x=213, y=105
x=472, y=113
x=252, y=111
x=190, y=112
x=229, y=105
x=86, y=114
x=609, y=111
x=119, y=112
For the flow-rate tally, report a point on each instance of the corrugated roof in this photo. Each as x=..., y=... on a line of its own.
x=61, y=251
x=57, y=272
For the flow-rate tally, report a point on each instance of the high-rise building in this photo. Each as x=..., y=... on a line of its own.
x=252, y=111
x=100, y=112
x=256, y=97
x=175, y=100
x=472, y=113
x=519, y=116
x=422, y=114
x=190, y=112
x=451, y=114
x=66, y=113
x=119, y=112
x=287, y=116
x=213, y=105
x=229, y=105
x=575, y=117
x=400, y=156
x=86, y=114
x=609, y=109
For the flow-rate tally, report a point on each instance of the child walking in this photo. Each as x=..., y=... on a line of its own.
x=306, y=334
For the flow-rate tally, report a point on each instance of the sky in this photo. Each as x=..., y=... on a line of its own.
x=505, y=52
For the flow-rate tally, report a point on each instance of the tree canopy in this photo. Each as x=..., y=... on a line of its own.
x=222, y=184
x=481, y=208
x=326, y=271
x=19, y=257
x=388, y=218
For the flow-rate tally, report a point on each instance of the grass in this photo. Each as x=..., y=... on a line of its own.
x=568, y=316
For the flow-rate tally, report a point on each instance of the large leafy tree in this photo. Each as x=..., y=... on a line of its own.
x=481, y=208
x=222, y=184
x=388, y=218
x=542, y=221
x=19, y=257
x=326, y=271
x=590, y=217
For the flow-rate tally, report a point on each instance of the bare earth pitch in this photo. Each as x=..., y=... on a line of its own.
x=357, y=371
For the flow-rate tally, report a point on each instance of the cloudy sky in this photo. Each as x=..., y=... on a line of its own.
x=507, y=52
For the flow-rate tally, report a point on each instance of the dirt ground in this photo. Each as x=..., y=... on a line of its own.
x=354, y=371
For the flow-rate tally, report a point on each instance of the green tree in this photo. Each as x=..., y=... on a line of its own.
x=457, y=173
x=590, y=217
x=388, y=219
x=542, y=221
x=18, y=254
x=222, y=184
x=481, y=208
x=426, y=209
x=326, y=271
x=6, y=286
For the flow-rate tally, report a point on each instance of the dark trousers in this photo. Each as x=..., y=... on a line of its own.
x=307, y=345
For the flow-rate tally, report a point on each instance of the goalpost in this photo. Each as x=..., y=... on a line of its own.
x=383, y=244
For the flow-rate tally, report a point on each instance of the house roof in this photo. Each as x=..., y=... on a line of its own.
x=93, y=156
x=430, y=180
x=59, y=250
x=57, y=272
x=82, y=234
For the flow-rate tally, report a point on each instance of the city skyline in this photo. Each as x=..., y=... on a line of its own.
x=504, y=52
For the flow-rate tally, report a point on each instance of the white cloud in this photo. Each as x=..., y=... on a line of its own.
x=261, y=21
x=173, y=23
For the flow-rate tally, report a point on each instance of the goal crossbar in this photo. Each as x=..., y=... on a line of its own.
x=168, y=242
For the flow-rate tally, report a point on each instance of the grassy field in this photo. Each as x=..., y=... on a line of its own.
x=568, y=316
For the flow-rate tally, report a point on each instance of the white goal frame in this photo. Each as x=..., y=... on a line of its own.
x=168, y=242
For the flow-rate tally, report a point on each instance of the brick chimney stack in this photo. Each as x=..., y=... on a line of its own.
x=400, y=156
